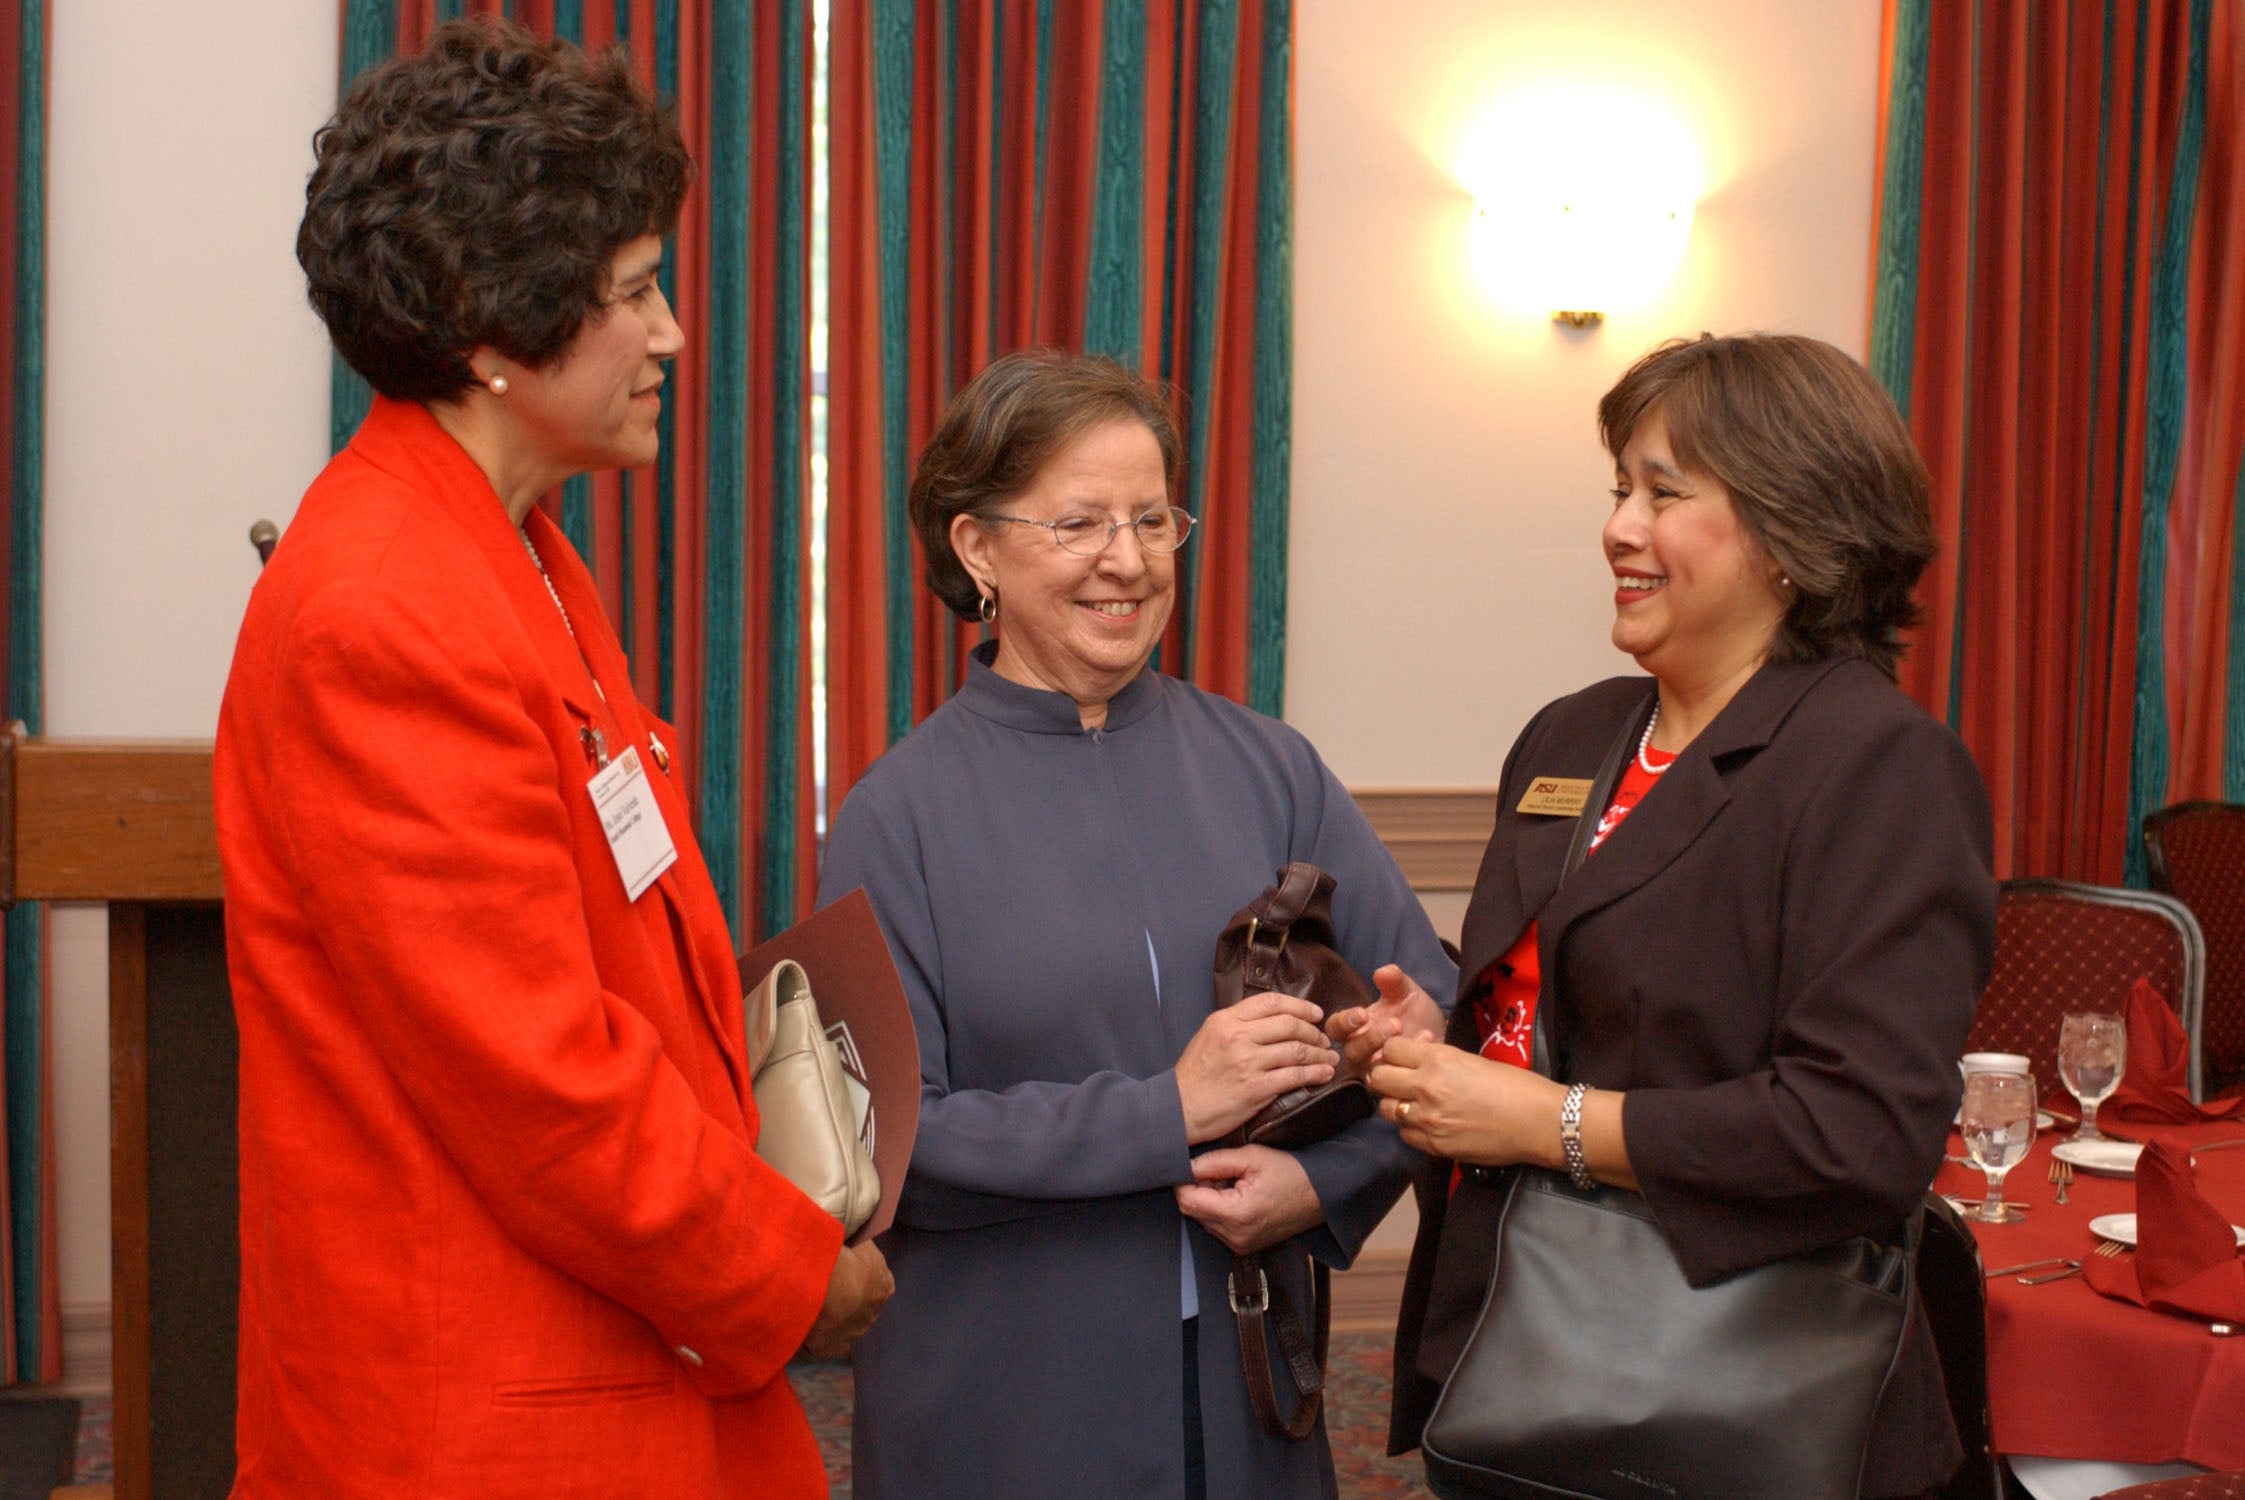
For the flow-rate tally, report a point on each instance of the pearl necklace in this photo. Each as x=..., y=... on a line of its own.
x=1644, y=742
x=555, y=594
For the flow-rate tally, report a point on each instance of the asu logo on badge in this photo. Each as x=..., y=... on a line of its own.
x=1555, y=797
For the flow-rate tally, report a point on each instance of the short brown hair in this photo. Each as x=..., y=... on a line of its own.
x=475, y=193
x=1820, y=467
x=1002, y=428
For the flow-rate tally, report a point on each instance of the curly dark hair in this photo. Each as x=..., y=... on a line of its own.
x=1820, y=468
x=474, y=194
x=1002, y=428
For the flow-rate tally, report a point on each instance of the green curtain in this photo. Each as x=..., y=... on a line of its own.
x=33, y=1308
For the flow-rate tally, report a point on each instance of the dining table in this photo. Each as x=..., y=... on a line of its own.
x=2073, y=1374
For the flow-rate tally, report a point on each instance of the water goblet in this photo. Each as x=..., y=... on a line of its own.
x=1998, y=1125
x=2092, y=1055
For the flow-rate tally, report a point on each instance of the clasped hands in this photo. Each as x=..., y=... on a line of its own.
x=1243, y=1057
x=1447, y=1102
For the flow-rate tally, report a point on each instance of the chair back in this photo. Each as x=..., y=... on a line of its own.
x=2196, y=851
x=1956, y=1314
x=2063, y=946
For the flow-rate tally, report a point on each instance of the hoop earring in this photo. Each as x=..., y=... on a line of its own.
x=987, y=610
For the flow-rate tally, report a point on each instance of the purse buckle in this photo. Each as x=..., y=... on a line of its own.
x=1262, y=967
x=1262, y=1300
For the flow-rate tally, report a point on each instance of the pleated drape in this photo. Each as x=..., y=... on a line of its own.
x=2058, y=307
x=702, y=561
x=31, y=1305
x=1113, y=176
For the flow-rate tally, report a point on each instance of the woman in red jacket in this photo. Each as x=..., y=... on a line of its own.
x=503, y=1229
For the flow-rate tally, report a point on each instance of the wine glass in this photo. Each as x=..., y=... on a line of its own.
x=2092, y=1055
x=1998, y=1124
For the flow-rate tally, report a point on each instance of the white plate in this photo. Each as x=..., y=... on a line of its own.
x=2122, y=1227
x=2105, y=1158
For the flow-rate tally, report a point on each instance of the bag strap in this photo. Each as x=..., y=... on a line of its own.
x=1252, y=1293
x=1586, y=828
x=1290, y=896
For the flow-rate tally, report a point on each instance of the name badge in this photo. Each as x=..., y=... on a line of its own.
x=1555, y=797
x=637, y=835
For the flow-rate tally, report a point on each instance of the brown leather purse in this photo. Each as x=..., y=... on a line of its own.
x=1283, y=941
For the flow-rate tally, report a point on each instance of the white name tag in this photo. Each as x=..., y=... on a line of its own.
x=637, y=835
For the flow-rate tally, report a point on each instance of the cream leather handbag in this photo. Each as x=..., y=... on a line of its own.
x=808, y=1131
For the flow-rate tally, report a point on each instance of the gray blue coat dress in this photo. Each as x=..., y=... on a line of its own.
x=1052, y=897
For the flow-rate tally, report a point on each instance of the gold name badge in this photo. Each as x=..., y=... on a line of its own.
x=1555, y=797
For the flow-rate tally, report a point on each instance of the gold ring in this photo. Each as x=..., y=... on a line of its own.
x=1403, y=1112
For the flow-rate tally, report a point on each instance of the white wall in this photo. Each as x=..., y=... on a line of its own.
x=1448, y=480
x=1448, y=486
x=186, y=397
x=1446, y=579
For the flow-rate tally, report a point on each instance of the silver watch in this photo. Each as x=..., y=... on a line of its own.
x=1570, y=1137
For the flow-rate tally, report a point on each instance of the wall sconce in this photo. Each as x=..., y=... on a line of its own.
x=1582, y=202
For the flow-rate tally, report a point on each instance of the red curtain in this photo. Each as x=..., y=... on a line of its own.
x=2057, y=306
x=1107, y=177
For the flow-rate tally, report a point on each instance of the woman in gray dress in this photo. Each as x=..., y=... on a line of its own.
x=1052, y=854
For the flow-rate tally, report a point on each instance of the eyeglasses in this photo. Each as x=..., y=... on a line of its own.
x=1088, y=533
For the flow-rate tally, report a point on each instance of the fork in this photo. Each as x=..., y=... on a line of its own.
x=2112, y=1249
x=2061, y=1173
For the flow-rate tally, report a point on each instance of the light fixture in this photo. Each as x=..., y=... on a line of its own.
x=1582, y=202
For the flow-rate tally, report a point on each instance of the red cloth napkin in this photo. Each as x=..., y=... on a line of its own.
x=2155, y=1088
x=2186, y=1258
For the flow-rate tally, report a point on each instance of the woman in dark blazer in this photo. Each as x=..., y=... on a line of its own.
x=1766, y=968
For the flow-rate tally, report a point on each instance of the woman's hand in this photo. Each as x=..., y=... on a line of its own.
x=855, y=1291
x=1246, y=1055
x=1468, y=1108
x=1250, y=1197
x=1403, y=1009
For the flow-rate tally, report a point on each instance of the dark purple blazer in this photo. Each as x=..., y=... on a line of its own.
x=1777, y=958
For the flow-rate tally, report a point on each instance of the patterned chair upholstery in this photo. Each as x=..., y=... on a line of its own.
x=2063, y=947
x=2229, y=1486
x=2197, y=854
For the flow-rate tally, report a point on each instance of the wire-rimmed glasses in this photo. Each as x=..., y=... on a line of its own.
x=1087, y=533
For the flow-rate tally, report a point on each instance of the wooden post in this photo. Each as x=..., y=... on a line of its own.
x=129, y=823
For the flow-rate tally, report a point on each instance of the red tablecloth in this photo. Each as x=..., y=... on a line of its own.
x=2072, y=1374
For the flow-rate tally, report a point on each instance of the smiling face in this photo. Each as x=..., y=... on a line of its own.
x=1084, y=626
x=1696, y=602
x=595, y=407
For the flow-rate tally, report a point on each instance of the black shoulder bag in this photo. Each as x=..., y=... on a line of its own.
x=1595, y=1370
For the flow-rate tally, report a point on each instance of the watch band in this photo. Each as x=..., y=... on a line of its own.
x=1570, y=1137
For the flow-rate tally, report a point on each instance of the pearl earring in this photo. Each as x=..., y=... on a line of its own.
x=498, y=385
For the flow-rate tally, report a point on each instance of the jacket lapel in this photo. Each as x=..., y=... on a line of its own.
x=1691, y=794
x=692, y=905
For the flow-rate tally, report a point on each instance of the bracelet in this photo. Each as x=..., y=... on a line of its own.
x=1570, y=1137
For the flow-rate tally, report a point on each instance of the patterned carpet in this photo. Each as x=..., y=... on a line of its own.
x=1356, y=1415
x=1356, y=1421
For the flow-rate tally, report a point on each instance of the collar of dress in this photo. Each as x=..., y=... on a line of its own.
x=1036, y=711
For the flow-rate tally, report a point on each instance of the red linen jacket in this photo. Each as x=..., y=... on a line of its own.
x=503, y=1231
